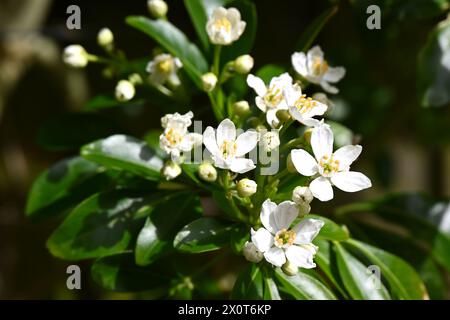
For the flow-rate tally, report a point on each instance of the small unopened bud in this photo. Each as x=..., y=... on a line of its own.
x=290, y=165
x=302, y=194
x=135, y=79
x=241, y=107
x=270, y=141
x=283, y=115
x=251, y=253
x=260, y=127
x=253, y=122
x=209, y=81
x=75, y=56
x=170, y=170
x=243, y=64
x=105, y=38
x=157, y=8
x=207, y=172
x=289, y=269
x=307, y=135
x=246, y=187
x=125, y=90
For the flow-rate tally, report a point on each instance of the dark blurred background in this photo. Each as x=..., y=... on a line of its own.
x=406, y=146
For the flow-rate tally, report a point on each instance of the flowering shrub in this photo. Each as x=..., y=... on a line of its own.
x=143, y=209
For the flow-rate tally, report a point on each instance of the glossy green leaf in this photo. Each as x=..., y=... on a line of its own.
x=119, y=273
x=175, y=42
x=330, y=230
x=101, y=225
x=125, y=153
x=63, y=185
x=202, y=235
x=402, y=278
x=270, y=289
x=304, y=287
x=166, y=219
x=357, y=278
x=249, y=284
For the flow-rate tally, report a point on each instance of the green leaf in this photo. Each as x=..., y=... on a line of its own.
x=71, y=131
x=312, y=31
x=330, y=230
x=119, y=273
x=63, y=185
x=166, y=219
x=434, y=67
x=125, y=153
x=304, y=287
x=202, y=235
x=249, y=284
x=357, y=278
x=104, y=102
x=270, y=289
x=239, y=236
x=267, y=72
x=175, y=42
x=199, y=11
x=402, y=278
x=101, y=225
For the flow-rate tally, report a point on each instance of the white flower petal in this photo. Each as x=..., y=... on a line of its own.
x=307, y=230
x=285, y=214
x=260, y=104
x=241, y=165
x=209, y=140
x=311, y=122
x=226, y=131
x=304, y=162
x=321, y=189
x=257, y=84
x=346, y=155
x=298, y=60
x=300, y=257
x=267, y=216
x=292, y=94
x=262, y=239
x=328, y=87
x=334, y=74
x=318, y=110
x=246, y=142
x=350, y=181
x=275, y=256
x=281, y=81
x=272, y=119
x=322, y=141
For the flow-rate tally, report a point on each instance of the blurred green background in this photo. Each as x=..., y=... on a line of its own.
x=406, y=146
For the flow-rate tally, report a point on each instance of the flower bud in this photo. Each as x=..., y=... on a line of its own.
x=303, y=209
x=209, y=81
x=253, y=122
x=283, y=115
x=105, y=38
x=170, y=170
x=302, y=194
x=289, y=269
x=270, y=141
x=157, y=8
x=207, y=172
x=243, y=64
x=251, y=253
x=241, y=107
x=75, y=56
x=125, y=90
x=260, y=127
x=290, y=165
x=246, y=187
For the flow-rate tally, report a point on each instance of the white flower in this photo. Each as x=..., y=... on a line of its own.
x=246, y=187
x=105, y=38
x=251, y=253
x=314, y=68
x=302, y=194
x=270, y=141
x=75, y=56
x=279, y=242
x=270, y=99
x=207, y=172
x=170, y=170
x=224, y=26
x=228, y=151
x=243, y=64
x=303, y=108
x=164, y=68
x=157, y=8
x=331, y=168
x=209, y=81
x=176, y=138
x=125, y=90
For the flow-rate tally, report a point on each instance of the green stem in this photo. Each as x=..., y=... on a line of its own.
x=285, y=127
x=216, y=60
x=291, y=144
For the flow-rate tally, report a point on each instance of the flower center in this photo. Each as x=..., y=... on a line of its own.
x=273, y=97
x=329, y=165
x=173, y=137
x=305, y=104
x=165, y=66
x=319, y=66
x=228, y=148
x=223, y=24
x=284, y=238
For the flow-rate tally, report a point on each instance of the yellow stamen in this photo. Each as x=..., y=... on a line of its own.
x=285, y=237
x=173, y=137
x=305, y=104
x=329, y=165
x=223, y=23
x=319, y=66
x=273, y=97
x=228, y=148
